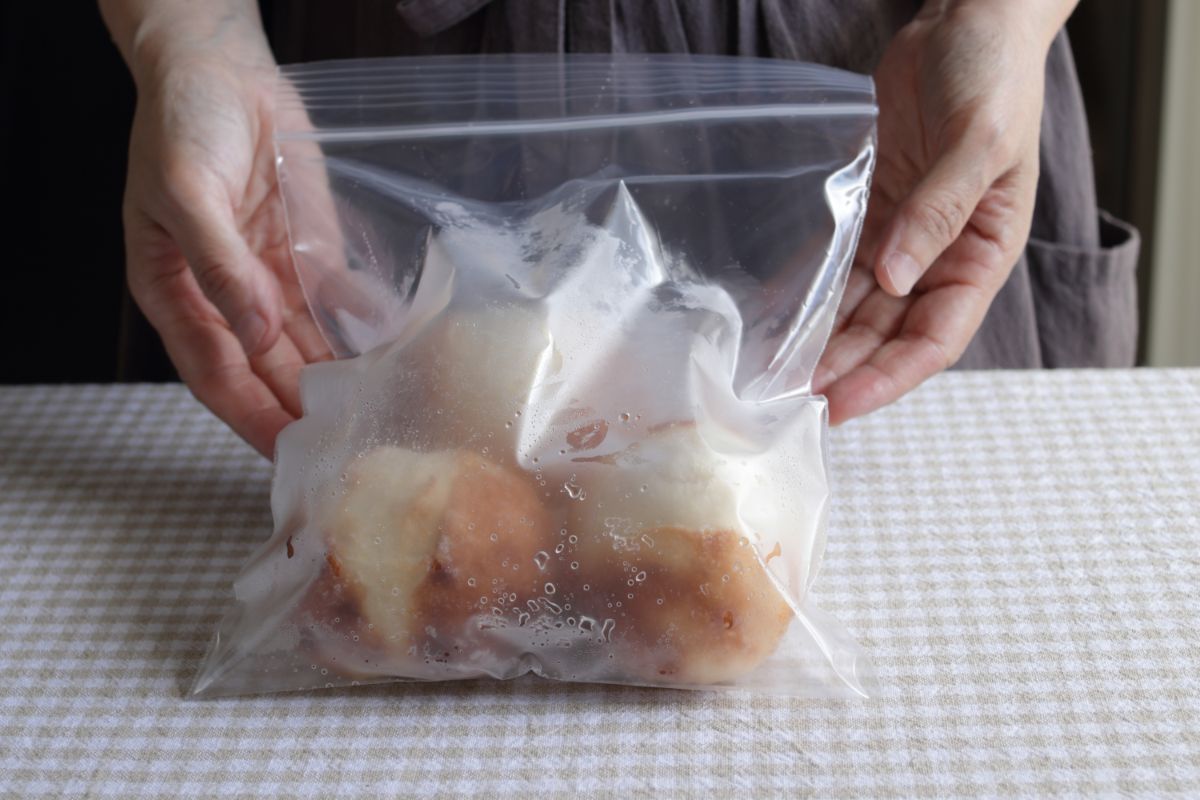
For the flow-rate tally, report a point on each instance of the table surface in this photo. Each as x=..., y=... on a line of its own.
x=1018, y=552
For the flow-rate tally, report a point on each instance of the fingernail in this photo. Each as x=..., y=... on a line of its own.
x=903, y=270
x=250, y=330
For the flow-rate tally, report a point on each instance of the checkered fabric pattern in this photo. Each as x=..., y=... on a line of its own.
x=1019, y=553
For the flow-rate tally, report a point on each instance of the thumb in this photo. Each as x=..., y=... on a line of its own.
x=930, y=219
x=231, y=276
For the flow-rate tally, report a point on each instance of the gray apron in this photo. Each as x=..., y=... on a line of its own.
x=1071, y=298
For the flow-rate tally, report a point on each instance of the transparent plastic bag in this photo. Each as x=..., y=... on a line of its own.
x=577, y=302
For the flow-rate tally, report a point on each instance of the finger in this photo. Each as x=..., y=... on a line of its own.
x=208, y=357
x=876, y=320
x=936, y=330
x=880, y=209
x=298, y=323
x=859, y=285
x=299, y=327
x=861, y=281
x=230, y=275
x=211, y=362
x=931, y=217
x=279, y=368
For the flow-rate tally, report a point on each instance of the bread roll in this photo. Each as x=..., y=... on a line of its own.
x=664, y=555
x=419, y=549
x=432, y=557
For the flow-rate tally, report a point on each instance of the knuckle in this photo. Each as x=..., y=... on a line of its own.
x=990, y=131
x=208, y=382
x=217, y=281
x=935, y=354
x=997, y=140
x=184, y=185
x=943, y=215
x=180, y=183
x=177, y=172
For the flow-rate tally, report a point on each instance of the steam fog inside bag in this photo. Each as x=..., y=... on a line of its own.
x=569, y=431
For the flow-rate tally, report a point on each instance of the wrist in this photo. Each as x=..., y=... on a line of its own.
x=155, y=35
x=1033, y=23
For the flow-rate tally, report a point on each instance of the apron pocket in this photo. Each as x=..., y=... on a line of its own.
x=1085, y=299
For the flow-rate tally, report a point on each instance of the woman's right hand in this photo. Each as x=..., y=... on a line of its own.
x=206, y=246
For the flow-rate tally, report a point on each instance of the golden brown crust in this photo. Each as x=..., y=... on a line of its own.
x=491, y=530
x=669, y=604
x=490, y=525
x=689, y=607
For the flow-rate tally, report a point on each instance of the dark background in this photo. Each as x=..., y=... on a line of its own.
x=66, y=102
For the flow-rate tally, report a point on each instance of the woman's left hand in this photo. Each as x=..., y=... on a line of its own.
x=960, y=104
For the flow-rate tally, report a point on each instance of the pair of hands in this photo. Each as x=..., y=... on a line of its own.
x=960, y=96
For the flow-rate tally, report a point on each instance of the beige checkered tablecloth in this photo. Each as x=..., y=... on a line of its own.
x=1019, y=552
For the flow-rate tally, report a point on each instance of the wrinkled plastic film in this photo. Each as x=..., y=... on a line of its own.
x=577, y=304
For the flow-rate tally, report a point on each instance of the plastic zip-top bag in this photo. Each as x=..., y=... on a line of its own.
x=577, y=303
